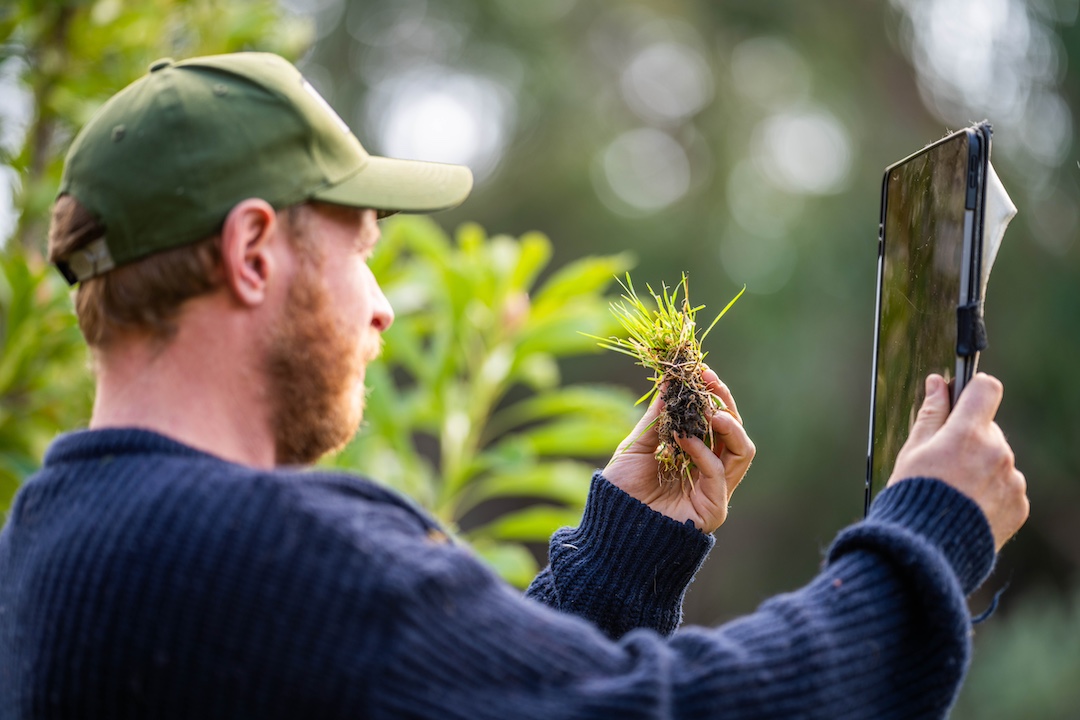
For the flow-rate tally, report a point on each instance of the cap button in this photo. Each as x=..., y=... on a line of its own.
x=161, y=64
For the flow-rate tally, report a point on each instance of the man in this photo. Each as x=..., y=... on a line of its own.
x=167, y=563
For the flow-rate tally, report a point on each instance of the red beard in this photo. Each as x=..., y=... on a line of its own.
x=316, y=373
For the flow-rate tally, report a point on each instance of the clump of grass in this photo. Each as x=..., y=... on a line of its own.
x=665, y=340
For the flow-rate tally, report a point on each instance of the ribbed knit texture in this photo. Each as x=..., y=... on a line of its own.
x=140, y=578
x=587, y=562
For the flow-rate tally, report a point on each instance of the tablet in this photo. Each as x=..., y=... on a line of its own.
x=928, y=309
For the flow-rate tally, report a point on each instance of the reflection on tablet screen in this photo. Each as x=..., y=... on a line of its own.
x=923, y=244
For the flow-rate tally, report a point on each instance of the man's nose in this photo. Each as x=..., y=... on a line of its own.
x=382, y=317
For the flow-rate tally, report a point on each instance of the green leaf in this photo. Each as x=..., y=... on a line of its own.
x=566, y=332
x=533, y=524
x=471, y=238
x=539, y=371
x=404, y=346
x=534, y=256
x=565, y=482
x=600, y=402
x=584, y=277
x=574, y=438
x=722, y=313
x=420, y=235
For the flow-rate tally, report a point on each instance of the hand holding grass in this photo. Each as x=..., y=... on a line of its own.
x=716, y=472
x=689, y=452
x=666, y=341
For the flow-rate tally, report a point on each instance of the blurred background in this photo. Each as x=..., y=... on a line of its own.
x=743, y=142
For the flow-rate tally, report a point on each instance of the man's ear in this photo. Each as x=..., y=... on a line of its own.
x=247, y=244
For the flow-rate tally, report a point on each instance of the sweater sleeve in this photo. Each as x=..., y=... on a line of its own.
x=625, y=566
x=881, y=632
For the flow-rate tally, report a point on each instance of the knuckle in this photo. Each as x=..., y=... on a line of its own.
x=1019, y=483
x=997, y=454
x=926, y=412
x=1005, y=457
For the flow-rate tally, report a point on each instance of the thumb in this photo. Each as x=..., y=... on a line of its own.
x=934, y=410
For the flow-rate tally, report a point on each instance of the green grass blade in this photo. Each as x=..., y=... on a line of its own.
x=726, y=308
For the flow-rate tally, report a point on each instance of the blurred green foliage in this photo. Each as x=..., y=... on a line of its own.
x=798, y=359
x=1027, y=665
x=44, y=384
x=466, y=409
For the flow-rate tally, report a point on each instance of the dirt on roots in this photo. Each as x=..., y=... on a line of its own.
x=688, y=406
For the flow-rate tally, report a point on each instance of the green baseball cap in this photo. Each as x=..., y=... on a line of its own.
x=164, y=160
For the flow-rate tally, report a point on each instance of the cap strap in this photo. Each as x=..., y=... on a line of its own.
x=87, y=262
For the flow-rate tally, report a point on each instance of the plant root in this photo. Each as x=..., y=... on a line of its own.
x=688, y=409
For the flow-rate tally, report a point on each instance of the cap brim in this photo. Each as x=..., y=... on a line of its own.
x=389, y=185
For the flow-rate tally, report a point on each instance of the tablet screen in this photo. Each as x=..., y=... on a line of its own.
x=923, y=243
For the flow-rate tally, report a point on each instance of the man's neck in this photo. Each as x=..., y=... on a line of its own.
x=195, y=388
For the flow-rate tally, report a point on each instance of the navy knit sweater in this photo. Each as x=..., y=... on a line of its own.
x=140, y=578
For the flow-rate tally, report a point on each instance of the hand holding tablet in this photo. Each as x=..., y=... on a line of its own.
x=937, y=207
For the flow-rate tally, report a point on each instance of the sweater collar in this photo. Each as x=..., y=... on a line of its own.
x=88, y=444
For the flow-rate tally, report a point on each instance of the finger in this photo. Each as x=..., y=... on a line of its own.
x=719, y=388
x=1017, y=512
x=738, y=449
x=707, y=463
x=934, y=411
x=711, y=488
x=730, y=432
x=979, y=402
x=1019, y=483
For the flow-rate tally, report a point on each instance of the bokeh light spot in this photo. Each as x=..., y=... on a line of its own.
x=441, y=115
x=805, y=151
x=667, y=81
x=9, y=186
x=646, y=169
x=1049, y=116
x=16, y=112
x=995, y=59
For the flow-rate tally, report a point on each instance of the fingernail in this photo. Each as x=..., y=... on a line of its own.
x=933, y=384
